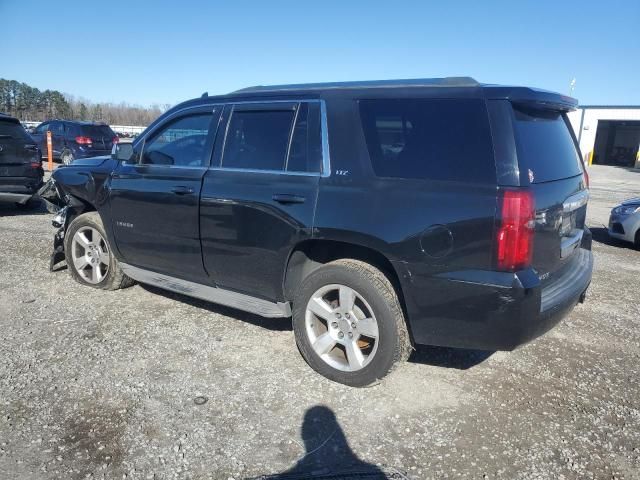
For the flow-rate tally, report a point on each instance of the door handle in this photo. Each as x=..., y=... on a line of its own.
x=287, y=198
x=181, y=190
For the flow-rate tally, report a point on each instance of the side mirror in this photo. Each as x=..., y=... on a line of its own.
x=122, y=151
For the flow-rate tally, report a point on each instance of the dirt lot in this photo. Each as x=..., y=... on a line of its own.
x=144, y=384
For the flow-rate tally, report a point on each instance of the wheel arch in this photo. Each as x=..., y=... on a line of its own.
x=311, y=254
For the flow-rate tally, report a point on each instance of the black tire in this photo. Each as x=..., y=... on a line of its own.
x=114, y=278
x=637, y=240
x=394, y=344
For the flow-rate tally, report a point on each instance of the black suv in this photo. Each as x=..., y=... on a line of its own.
x=71, y=139
x=21, y=170
x=377, y=215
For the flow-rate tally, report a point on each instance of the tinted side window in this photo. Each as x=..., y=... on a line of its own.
x=42, y=128
x=545, y=145
x=57, y=128
x=257, y=139
x=305, y=152
x=438, y=139
x=97, y=131
x=182, y=143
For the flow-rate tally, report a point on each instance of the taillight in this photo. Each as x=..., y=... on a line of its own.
x=514, y=236
x=116, y=139
x=35, y=164
x=84, y=140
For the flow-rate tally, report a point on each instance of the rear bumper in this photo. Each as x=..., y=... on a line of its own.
x=14, y=197
x=495, y=310
x=19, y=191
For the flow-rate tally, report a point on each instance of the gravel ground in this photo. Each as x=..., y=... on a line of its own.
x=140, y=383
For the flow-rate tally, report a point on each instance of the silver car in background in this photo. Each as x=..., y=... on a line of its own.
x=624, y=221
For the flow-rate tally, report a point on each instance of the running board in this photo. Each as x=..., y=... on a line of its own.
x=221, y=296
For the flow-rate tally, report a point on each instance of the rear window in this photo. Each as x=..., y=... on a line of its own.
x=545, y=145
x=14, y=131
x=438, y=139
x=97, y=131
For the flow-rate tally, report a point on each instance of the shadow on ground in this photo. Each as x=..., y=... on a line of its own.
x=601, y=235
x=328, y=454
x=274, y=324
x=457, y=358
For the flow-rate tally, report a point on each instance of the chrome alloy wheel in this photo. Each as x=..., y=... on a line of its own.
x=341, y=327
x=90, y=254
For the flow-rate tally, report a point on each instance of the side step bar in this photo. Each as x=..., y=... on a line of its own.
x=221, y=296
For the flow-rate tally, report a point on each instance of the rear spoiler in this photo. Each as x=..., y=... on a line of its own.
x=532, y=98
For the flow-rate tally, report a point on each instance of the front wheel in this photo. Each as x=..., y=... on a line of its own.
x=89, y=255
x=348, y=323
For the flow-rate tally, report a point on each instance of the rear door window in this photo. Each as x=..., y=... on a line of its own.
x=257, y=138
x=437, y=139
x=305, y=152
x=545, y=145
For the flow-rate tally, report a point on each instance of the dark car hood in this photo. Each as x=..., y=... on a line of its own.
x=91, y=161
x=632, y=201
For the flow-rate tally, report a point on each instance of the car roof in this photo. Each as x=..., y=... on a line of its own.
x=408, y=88
x=358, y=85
x=467, y=86
x=8, y=118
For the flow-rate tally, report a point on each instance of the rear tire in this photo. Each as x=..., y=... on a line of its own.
x=67, y=157
x=89, y=256
x=637, y=240
x=348, y=323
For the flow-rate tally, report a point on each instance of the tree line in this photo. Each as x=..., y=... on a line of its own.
x=31, y=104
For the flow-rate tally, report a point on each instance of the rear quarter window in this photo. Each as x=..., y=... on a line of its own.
x=14, y=131
x=545, y=145
x=97, y=131
x=437, y=139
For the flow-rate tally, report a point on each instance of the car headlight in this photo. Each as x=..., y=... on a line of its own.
x=626, y=209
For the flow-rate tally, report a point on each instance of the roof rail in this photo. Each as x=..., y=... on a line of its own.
x=415, y=82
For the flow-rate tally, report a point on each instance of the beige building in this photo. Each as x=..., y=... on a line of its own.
x=608, y=135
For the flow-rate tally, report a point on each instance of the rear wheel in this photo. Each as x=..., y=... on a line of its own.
x=348, y=323
x=89, y=255
x=637, y=240
x=67, y=157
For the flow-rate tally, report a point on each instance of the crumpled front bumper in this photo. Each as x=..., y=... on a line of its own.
x=51, y=196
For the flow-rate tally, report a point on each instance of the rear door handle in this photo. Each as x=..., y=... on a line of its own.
x=287, y=198
x=181, y=190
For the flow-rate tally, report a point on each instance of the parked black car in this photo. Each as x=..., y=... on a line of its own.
x=20, y=166
x=377, y=214
x=71, y=139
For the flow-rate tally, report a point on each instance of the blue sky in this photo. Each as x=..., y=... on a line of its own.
x=166, y=52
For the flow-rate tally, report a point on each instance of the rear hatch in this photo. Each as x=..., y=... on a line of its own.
x=548, y=156
x=19, y=158
x=101, y=137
